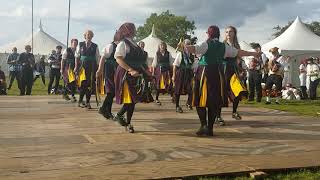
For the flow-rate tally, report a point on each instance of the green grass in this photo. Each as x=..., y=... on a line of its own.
x=303, y=107
x=37, y=89
x=302, y=174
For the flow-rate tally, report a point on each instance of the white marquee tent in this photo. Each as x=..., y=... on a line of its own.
x=151, y=46
x=43, y=43
x=298, y=42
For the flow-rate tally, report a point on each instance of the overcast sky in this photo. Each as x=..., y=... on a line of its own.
x=253, y=18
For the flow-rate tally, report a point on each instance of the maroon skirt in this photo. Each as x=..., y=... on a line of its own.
x=216, y=94
x=183, y=81
x=165, y=73
x=109, y=75
x=121, y=76
x=90, y=72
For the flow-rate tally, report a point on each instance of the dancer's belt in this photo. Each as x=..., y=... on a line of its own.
x=87, y=58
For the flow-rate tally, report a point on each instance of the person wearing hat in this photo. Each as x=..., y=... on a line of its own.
x=14, y=68
x=3, y=85
x=183, y=75
x=40, y=70
x=313, y=74
x=55, y=66
x=26, y=60
x=209, y=92
x=275, y=75
x=256, y=66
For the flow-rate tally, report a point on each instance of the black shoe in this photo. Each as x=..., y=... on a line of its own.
x=277, y=102
x=121, y=120
x=158, y=102
x=220, y=121
x=130, y=128
x=202, y=131
x=236, y=116
x=88, y=106
x=179, y=109
x=267, y=102
x=258, y=101
x=189, y=107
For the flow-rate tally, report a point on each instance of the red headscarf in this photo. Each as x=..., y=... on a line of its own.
x=213, y=32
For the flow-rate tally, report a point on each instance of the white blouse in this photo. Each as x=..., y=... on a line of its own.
x=203, y=48
x=123, y=49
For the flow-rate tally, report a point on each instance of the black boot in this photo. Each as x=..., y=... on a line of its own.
x=203, y=130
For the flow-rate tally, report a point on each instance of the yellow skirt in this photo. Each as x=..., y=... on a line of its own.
x=71, y=76
x=204, y=94
x=236, y=85
x=126, y=97
x=82, y=76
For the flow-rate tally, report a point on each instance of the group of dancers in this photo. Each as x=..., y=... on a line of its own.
x=122, y=72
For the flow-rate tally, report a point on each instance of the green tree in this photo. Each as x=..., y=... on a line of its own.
x=168, y=27
x=314, y=26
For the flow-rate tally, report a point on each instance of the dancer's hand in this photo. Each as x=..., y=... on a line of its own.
x=134, y=73
x=173, y=78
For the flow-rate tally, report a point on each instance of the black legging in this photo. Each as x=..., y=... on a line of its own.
x=85, y=91
x=71, y=87
x=129, y=108
x=212, y=114
x=14, y=75
x=42, y=78
x=107, y=103
x=235, y=104
x=54, y=74
x=177, y=99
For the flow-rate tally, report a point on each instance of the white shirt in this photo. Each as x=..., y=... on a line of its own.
x=77, y=53
x=65, y=54
x=203, y=47
x=178, y=59
x=155, y=60
x=123, y=49
x=303, y=75
x=313, y=71
x=107, y=51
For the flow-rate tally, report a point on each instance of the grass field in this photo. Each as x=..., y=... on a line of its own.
x=37, y=89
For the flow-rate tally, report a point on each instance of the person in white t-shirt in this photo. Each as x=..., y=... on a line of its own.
x=313, y=75
x=303, y=78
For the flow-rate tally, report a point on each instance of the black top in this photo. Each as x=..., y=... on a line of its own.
x=26, y=60
x=163, y=60
x=136, y=57
x=88, y=51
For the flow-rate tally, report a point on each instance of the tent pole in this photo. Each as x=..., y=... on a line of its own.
x=68, y=24
x=32, y=26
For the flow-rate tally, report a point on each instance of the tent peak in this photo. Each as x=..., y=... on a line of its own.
x=153, y=32
x=40, y=26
